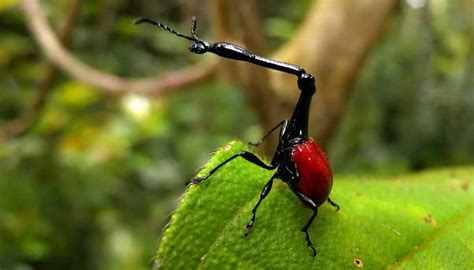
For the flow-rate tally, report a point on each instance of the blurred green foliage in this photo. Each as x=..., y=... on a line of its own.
x=92, y=182
x=413, y=105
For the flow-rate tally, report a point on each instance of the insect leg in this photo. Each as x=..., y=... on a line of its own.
x=334, y=204
x=306, y=200
x=265, y=191
x=250, y=157
x=282, y=124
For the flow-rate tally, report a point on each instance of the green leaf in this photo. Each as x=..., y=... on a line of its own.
x=416, y=221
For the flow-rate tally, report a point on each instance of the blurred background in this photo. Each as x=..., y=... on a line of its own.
x=99, y=136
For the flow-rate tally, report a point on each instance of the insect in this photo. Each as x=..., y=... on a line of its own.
x=299, y=160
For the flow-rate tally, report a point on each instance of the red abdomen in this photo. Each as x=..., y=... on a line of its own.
x=315, y=175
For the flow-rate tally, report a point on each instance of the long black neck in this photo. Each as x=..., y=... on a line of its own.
x=298, y=128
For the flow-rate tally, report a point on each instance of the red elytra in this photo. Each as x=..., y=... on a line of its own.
x=315, y=175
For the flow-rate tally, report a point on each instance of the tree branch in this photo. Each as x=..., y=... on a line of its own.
x=107, y=82
x=19, y=125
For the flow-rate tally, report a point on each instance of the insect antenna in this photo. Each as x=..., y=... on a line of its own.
x=169, y=29
x=194, y=27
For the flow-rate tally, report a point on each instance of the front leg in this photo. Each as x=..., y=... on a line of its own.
x=283, y=124
x=265, y=191
x=250, y=157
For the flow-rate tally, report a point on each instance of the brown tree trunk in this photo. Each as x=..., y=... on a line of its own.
x=332, y=44
x=238, y=22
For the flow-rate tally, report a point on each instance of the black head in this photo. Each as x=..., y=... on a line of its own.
x=198, y=47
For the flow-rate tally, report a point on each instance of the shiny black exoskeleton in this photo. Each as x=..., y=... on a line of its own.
x=298, y=160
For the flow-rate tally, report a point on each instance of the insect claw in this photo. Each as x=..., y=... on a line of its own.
x=248, y=228
x=334, y=204
x=197, y=180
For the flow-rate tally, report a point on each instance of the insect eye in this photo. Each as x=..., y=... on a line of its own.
x=197, y=48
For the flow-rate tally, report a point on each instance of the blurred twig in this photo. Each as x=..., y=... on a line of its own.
x=21, y=124
x=107, y=82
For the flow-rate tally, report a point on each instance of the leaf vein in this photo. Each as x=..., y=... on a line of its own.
x=428, y=240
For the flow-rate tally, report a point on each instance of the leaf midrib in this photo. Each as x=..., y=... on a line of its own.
x=428, y=240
